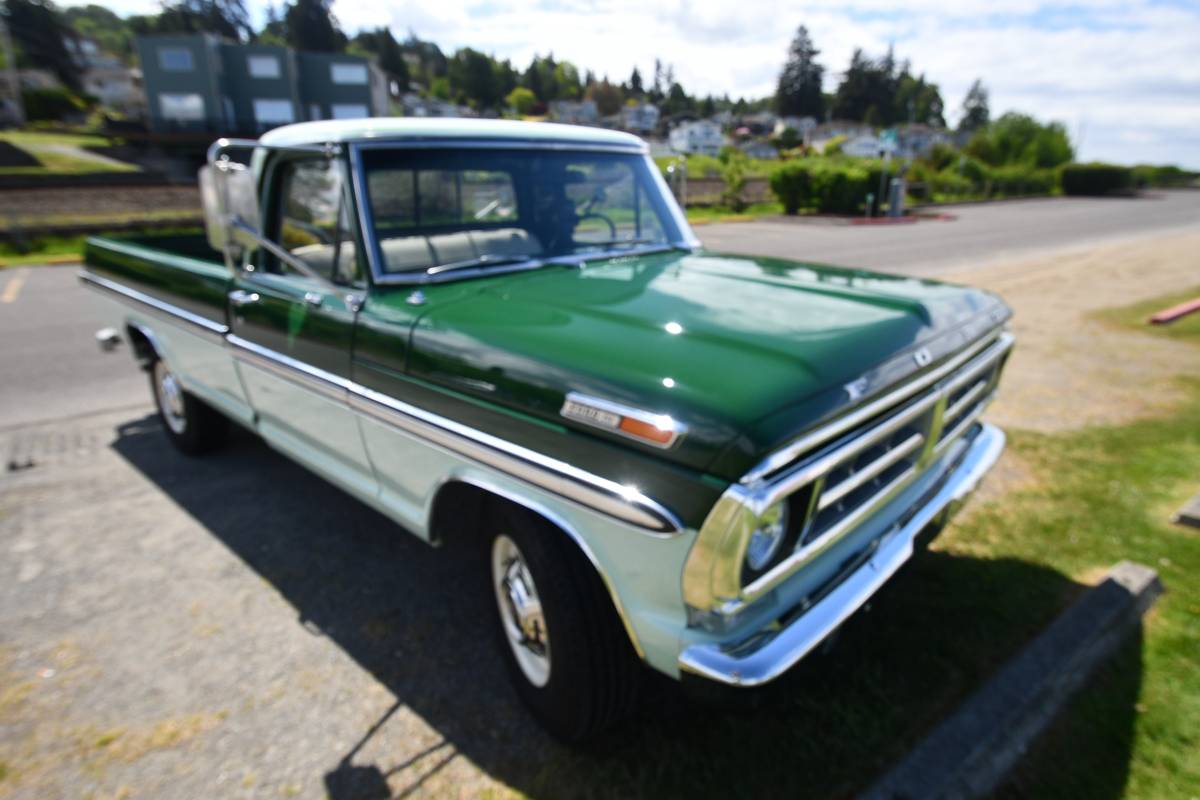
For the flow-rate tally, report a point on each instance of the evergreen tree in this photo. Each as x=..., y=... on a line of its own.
x=799, y=92
x=635, y=84
x=975, y=113
x=387, y=52
x=40, y=35
x=310, y=26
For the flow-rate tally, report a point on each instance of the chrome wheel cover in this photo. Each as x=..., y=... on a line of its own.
x=170, y=398
x=520, y=610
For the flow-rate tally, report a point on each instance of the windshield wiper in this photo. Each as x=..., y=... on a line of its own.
x=486, y=260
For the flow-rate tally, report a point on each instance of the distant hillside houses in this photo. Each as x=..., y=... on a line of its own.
x=640, y=118
x=575, y=112
x=697, y=137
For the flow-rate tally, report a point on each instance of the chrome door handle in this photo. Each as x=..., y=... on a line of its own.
x=314, y=298
x=240, y=297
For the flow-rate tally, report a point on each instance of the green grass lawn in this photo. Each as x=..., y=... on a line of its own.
x=708, y=214
x=38, y=145
x=992, y=582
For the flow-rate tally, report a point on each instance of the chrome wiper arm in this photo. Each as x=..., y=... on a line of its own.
x=486, y=260
x=617, y=242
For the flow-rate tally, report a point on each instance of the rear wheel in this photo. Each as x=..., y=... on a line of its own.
x=569, y=656
x=192, y=426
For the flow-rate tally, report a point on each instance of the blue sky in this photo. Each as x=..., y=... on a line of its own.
x=1122, y=75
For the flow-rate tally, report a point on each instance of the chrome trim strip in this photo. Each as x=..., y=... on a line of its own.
x=664, y=422
x=172, y=312
x=879, y=465
x=625, y=503
x=770, y=656
x=781, y=458
x=622, y=502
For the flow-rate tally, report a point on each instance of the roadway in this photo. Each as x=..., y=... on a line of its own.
x=52, y=368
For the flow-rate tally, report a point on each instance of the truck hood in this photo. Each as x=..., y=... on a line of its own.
x=746, y=352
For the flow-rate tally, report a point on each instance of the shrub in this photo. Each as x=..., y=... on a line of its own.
x=733, y=173
x=834, y=146
x=792, y=184
x=1149, y=175
x=1018, y=180
x=840, y=188
x=51, y=104
x=948, y=182
x=1096, y=179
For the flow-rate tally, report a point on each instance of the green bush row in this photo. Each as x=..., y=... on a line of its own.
x=1096, y=179
x=823, y=185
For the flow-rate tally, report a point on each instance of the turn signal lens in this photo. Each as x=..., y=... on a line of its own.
x=765, y=541
x=647, y=431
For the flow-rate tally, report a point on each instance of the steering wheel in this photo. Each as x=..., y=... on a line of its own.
x=612, y=226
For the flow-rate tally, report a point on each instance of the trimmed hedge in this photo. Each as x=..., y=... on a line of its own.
x=1096, y=179
x=828, y=187
x=51, y=104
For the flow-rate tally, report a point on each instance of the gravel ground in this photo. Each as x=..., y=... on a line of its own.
x=235, y=627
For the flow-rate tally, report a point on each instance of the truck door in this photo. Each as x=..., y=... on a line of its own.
x=292, y=334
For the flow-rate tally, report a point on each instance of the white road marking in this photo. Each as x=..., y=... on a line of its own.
x=13, y=287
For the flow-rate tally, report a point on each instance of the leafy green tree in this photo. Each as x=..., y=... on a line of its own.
x=975, y=113
x=521, y=100
x=799, y=88
x=40, y=36
x=310, y=25
x=98, y=23
x=918, y=100
x=607, y=97
x=1020, y=139
x=473, y=79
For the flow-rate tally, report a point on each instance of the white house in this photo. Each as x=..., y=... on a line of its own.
x=757, y=148
x=640, y=118
x=574, y=112
x=918, y=139
x=801, y=125
x=869, y=147
x=702, y=137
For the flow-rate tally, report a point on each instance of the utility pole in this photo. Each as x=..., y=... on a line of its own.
x=10, y=72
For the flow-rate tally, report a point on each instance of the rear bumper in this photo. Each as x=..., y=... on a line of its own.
x=766, y=655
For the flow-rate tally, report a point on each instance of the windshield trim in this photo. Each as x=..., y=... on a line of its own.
x=685, y=241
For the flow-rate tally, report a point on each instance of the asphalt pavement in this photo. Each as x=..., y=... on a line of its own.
x=52, y=368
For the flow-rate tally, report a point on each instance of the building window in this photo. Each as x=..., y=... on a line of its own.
x=314, y=110
x=175, y=59
x=349, y=74
x=263, y=66
x=181, y=107
x=273, y=112
x=349, y=111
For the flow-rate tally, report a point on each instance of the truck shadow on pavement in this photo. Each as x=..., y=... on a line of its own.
x=419, y=620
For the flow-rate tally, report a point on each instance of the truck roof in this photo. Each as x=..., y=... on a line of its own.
x=425, y=128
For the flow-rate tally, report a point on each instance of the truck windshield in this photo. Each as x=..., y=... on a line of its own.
x=441, y=210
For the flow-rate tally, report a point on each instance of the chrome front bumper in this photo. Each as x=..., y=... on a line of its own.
x=765, y=656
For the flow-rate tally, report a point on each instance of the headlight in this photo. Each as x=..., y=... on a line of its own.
x=765, y=541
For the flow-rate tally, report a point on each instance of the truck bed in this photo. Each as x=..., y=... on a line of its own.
x=180, y=269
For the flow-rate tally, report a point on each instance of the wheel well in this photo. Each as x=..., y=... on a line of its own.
x=458, y=511
x=143, y=347
x=458, y=514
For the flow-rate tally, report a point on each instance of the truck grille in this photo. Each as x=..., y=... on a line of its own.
x=844, y=482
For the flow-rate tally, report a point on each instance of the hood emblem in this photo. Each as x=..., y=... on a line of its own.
x=923, y=357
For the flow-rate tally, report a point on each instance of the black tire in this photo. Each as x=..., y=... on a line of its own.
x=594, y=673
x=192, y=426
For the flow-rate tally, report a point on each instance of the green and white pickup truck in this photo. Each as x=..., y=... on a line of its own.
x=506, y=334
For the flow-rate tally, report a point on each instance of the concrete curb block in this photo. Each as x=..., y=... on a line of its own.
x=969, y=754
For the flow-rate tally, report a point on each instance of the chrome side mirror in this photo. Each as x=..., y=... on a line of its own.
x=230, y=201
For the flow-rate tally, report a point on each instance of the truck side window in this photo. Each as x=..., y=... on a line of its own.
x=314, y=223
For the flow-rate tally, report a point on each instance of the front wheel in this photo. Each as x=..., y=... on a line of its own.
x=569, y=656
x=192, y=426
